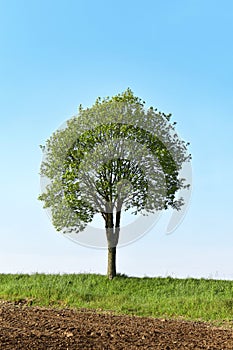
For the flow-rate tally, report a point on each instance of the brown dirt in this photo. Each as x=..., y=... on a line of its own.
x=25, y=327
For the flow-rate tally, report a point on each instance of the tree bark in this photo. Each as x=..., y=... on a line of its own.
x=111, y=272
x=112, y=238
x=111, y=262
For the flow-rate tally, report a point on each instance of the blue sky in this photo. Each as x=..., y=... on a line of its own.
x=177, y=56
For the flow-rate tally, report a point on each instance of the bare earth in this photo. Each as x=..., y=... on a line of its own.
x=25, y=327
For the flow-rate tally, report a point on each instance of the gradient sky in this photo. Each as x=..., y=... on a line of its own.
x=177, y=56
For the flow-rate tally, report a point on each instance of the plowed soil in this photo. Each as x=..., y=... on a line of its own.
x=26, y=327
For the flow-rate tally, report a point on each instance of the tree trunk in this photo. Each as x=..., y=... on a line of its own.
x=111, y=246
x=111, y=262
x=112, y=238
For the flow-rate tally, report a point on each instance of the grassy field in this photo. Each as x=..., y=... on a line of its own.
x=190, y=299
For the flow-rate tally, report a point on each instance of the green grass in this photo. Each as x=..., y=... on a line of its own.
x=190, y=299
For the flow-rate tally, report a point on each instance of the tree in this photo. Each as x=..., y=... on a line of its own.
x=110, y=158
